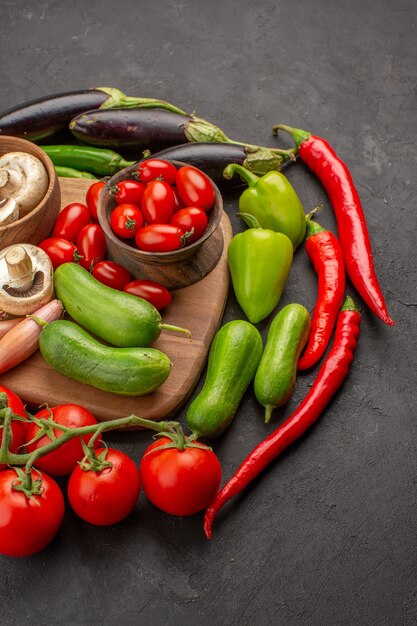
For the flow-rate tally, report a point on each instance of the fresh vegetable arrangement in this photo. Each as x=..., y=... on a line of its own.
x=115, y=317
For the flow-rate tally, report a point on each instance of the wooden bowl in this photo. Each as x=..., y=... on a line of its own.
x=174, y=270
x=38, y=224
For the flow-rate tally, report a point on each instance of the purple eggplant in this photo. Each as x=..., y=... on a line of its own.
x=41, y=118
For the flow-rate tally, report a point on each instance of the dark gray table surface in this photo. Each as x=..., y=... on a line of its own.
x=327, y=535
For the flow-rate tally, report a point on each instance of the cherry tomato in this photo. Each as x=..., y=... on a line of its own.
x=61, y=461
x=92, y=196
x=18, y=429
x=156, y=294
x=71, y=220
x=128, y=192
x=156, y=168
x=125, y=220
x=27, y=525
x=191, y=218
x=59, y=251
x=179, y=204
x=195, y=188
x=180, y=482
x=159, y=238
x=111, y=274
x=91, y=244
x=158, y=202
x=105, y=497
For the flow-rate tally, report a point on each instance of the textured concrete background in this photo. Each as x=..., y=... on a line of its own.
x=327, y=535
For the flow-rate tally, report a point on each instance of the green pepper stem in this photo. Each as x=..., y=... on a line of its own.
x=234, y=168
x=297, y=134
x=176, y=329
x=349, y=305
x=250, y=220
x=268, y=413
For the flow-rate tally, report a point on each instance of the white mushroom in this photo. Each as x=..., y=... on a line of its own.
x=26, y=279
x=24, y=178
x=9, y=211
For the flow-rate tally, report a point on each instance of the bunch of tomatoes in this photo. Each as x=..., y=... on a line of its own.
x=162, y=211
x=177, y=481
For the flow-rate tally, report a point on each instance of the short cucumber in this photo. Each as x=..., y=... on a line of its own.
x=234, y=356
x=117, y=317
x=125, y=371
x=276, y=374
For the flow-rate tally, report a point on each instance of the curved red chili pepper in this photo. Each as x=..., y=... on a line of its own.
x=329, y=378
x=326, y=255
x=336, y=179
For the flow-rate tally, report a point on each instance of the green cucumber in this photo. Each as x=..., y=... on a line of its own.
x=234, y=356
x=276, y=374
x=125, y=371
x=119, y=318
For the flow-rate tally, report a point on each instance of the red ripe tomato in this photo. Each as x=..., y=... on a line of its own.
x=157, y=168
x=158, y=202
x=61, y=461
x=191, y=218
x=159, y=238
x=59, y=251
x=179, y=204
x=91, y=244
x=92, y=196
x=125, y=220
x=195, y=188
x=71, y=220
x=27, y=525
x=128, y=192
x=111, y=274
x=18, y=429
x=108, y=496
x=156, y=294
x=180, y=482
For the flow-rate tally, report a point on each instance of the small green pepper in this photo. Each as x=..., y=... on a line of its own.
x=259, y=261
x=99, y=161
x=272, y=200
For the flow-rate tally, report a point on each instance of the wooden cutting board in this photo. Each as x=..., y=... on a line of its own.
x=198, y=307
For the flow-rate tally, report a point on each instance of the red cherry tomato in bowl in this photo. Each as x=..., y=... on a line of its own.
x=18, y=428
x=180, y=482
x=59, y=251
x=111, y=274
x=92, y=196
x=156, y=294
x=158, y=203
x=160, y=238
x=91, y=244
x=150, y=169
x=191, y=218
x=27, y=525
x=195, y=188
x=108, y=496
x=128, y=192
x=125, y=220
x=71, y=220
x=61, y=461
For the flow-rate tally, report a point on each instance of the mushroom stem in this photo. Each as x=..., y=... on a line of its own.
x=20, y=267
x=9, y=211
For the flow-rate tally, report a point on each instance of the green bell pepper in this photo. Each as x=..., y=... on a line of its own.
x=272, y=200
x=259, y=261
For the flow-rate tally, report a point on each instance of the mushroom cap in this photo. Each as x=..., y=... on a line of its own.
x=24, y=178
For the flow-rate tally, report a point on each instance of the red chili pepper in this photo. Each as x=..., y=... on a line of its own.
x=329, y=378
x=326, y=255
x=336, y=179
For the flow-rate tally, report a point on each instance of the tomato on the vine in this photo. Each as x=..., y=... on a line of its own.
x=71, y=220
x=195, y=188
x=156, y=294
x=160, y=238
x=59, y=251
x=151, y=169
x=107, y=496
x=18, y=428
x=128, y=192
x=180, y=482
x=61, y=461
x=91, y=245
x=28, y=524
x=111, y=274
x=191, y=218
x=158, y=202
x=126, y=220
x=92, y=196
